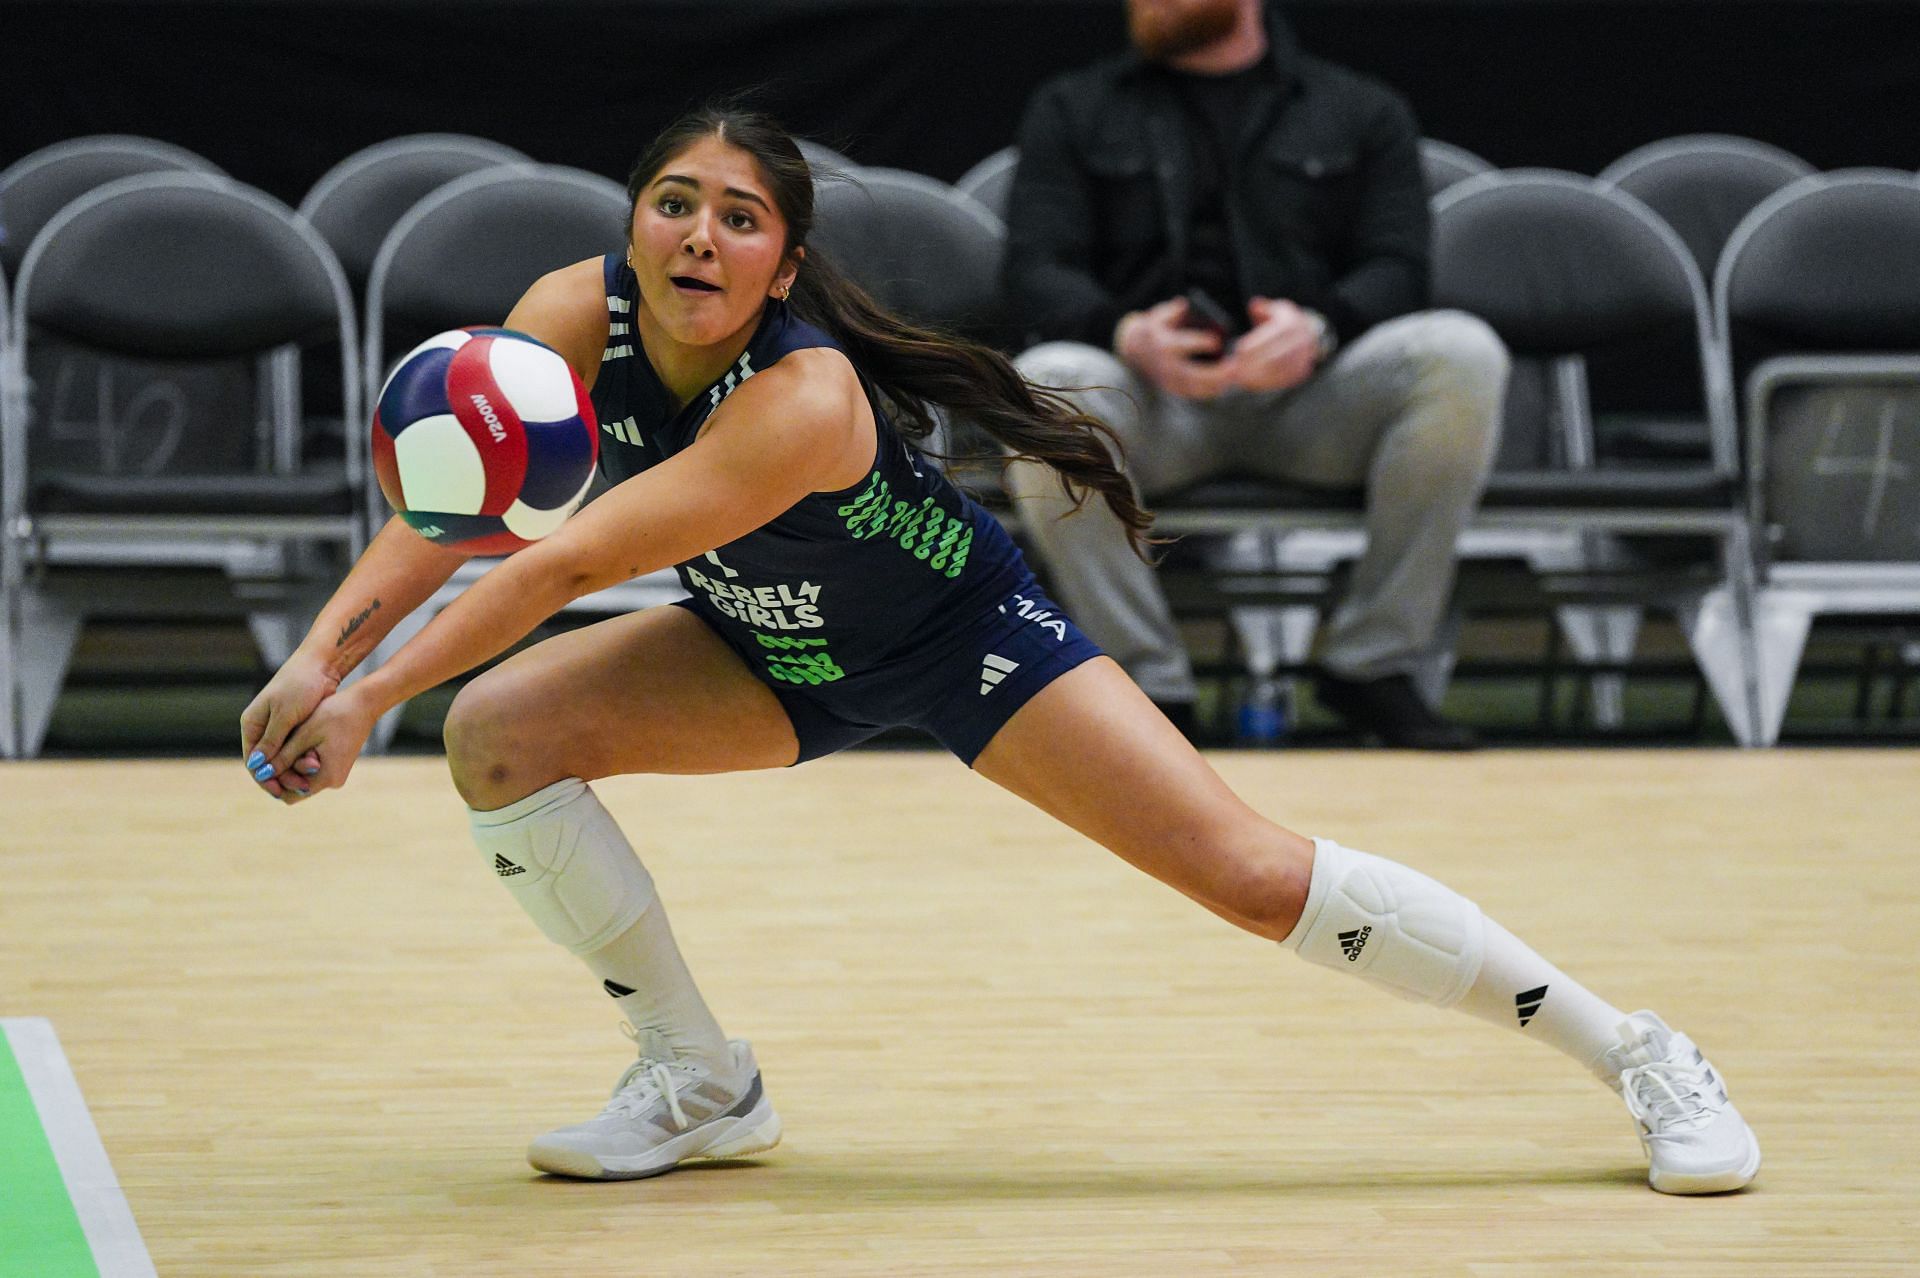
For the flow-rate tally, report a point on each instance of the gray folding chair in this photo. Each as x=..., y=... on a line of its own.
x=1559, y=264
x=1444, y=164
x=357, y=201
x=173, y=269
x=1646, y=396
x=463, y=256
x=1817, y=314
x=991, y=180
x=86, y=395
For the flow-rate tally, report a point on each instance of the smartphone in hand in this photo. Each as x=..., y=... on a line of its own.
x=1208, y=316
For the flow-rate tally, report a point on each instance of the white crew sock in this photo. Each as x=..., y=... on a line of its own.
x=661, y=998
x=564, y=858
x=1522, y=991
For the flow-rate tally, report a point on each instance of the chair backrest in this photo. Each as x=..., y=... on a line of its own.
x=1830, y=263
x=357, y=201
x=179, y=265
x=190, y=268
x=991, y=180
x=1817, y=311
x=921, y=248
x=1443, y=164
x=466, y=253
x=1561, y=265
x=1558, y=263
x=1703, y=184
x=39, y=185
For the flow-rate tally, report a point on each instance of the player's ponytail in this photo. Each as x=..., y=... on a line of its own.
x=916, y=369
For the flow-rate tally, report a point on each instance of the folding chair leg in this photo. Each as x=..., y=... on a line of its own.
x=1782, y=619
x=1603, y=634
x=1720, y=646
x=49, y=629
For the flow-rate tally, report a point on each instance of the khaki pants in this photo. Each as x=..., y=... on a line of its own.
x=1410, y=411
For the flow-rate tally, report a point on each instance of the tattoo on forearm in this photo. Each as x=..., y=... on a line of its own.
x=356, y=623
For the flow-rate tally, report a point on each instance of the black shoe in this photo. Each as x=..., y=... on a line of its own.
x=1392, y=710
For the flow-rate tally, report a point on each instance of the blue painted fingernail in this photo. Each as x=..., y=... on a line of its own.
x=263, y=773
x=254, y=760
x=310, y=769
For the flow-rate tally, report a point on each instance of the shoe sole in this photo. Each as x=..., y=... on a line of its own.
x=754, y=1132
x=1709, y=1182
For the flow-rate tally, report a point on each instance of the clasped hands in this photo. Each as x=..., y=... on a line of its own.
x=303, y=733
x=1278, y=353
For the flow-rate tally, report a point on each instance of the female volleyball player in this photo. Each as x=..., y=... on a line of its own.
x=758, y=414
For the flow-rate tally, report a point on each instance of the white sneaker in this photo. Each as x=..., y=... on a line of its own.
x=664, y=1112
x=1695, y=1139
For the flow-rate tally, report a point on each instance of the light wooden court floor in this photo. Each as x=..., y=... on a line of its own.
x=316, y=1041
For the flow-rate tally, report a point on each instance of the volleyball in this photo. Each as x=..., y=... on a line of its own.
x=484, y=439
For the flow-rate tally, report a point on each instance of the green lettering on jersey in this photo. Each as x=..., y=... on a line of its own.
x=935, y=537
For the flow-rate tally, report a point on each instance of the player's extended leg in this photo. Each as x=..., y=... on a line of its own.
x=1094, y=752
x=656, y=691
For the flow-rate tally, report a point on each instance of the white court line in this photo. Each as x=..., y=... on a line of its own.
x=106, y=1220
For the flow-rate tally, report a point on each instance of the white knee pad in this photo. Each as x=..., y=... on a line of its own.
x=564, y=859
x=1394, y=926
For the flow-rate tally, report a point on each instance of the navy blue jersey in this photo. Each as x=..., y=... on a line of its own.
x=862, y=582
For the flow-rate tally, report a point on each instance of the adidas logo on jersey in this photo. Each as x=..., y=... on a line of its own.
x=993, y=670
x=1351, y=943
x=627, y=432
x=1527, y=1002
x=505, y=868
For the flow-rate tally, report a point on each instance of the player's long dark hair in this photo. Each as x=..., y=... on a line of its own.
x=914, y=367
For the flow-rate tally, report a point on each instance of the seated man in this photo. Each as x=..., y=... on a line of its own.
x=1219, y=173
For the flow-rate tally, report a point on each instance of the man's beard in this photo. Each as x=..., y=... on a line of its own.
x=1163, y=32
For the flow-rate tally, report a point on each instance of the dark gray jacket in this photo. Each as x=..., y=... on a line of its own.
x=1326, y=202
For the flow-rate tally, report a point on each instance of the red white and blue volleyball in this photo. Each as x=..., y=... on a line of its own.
x=484, y=439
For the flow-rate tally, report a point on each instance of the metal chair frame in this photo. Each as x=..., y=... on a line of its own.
x=44, y=622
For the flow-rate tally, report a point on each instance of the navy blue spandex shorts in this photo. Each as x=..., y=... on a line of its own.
x=961, y=694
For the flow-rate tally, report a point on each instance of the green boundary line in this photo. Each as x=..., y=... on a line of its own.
x=44, y=1238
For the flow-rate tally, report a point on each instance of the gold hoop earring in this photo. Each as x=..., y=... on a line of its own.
x=784, y=290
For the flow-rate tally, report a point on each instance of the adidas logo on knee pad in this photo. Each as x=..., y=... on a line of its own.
x=1351, y=943
x=504, y=867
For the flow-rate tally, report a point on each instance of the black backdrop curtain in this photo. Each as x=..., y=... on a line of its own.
x=276, y=92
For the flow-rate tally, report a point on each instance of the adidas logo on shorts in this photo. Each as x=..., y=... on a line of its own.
x=993, y=670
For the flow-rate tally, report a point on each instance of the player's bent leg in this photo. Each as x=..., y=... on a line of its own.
x=654, y=691
x=1091, y=750
x=659, y=692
